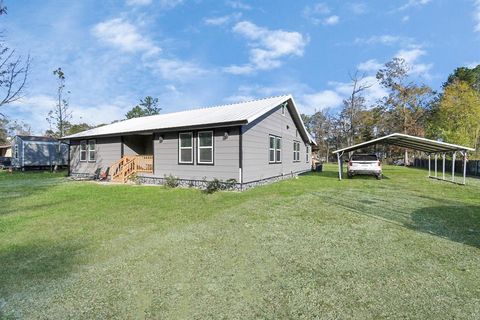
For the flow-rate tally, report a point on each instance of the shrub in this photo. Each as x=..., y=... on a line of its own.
x=171, y=181
x=213, y=186
x=134, y=178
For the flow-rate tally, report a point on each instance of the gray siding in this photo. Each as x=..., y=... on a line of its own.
x=255, y=141
x=226, y=157
x=108, y=151
x=38, y=153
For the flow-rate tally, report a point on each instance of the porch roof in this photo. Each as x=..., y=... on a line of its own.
x=225, y=115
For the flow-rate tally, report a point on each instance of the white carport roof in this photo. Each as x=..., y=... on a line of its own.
x=225, y=115
x=410, y=142
x=416, y=143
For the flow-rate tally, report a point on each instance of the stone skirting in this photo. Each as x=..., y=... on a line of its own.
x=202, y=184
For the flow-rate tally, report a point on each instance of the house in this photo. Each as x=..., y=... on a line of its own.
x=6, y=151
x=251, y=142
x=35, y=152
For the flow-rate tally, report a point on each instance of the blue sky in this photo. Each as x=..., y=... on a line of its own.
x=201, y=53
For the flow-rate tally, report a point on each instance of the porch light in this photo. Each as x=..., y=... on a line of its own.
x=225, y=135
x=160, y=138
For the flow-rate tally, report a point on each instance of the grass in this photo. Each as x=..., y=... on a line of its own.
x=313, y=247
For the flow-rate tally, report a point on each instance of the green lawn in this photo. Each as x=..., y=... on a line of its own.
x=313, y=247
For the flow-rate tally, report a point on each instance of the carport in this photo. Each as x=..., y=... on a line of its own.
x=431, y=147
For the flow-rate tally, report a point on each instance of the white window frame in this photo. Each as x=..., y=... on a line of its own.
x=270, y=149
x=84, y=151
x=277, y=152
x=15, y=151
x=307, y=153
x=296, y=151
x=180, y=148
x=284, y=111
x=90, y=150
x=199, y=147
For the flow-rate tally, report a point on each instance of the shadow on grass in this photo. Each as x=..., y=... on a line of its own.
x=457, y=223
x=31, y=264
x=334, y=175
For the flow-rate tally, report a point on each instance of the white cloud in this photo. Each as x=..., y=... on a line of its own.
x=358, y=7
x=124, y=35
x=42, y=104
x=176, y=69
x=472, y=64
x=476, y=15
x=268, y=47
x=406, y=18
x=138, y=2
x=385, y=39
x=414, y=3
x=320, y=13
x=411, y=57
x=371, y=65
x=219, y=21
x=321, y=100
x=238, y=5
x=332, y=20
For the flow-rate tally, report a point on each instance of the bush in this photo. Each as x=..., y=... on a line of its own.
x=171, y=181
x=213, y=186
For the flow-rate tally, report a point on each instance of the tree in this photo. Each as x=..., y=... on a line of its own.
x=467, y=75
x=353, y=106
x=13, y=71
x=456, y=116
x=60, y=115
x=406, y=102
x=146, y=107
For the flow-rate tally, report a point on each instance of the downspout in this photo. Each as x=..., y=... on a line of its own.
x=240, y=156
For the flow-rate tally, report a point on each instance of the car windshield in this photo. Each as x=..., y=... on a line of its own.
x=364, y=157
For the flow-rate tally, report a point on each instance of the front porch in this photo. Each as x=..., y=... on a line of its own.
x=136, y=157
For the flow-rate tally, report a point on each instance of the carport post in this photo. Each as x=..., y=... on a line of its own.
x=436, y=160
x=453, y=165
x=429, y=166
x=339, y=157
x=443, y=172
x=465, y=167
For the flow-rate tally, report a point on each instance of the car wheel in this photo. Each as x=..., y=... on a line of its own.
x=379, y=176
x=350, y=176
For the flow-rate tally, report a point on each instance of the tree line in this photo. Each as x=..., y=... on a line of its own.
x=410, y=107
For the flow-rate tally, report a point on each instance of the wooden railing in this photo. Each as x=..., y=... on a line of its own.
x=124, y=168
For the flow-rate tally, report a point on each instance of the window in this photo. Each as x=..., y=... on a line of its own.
x=296, y=151
x=185, y=147
x=283, y=109
x=275, y=149
x=92, y=153
x=83, y=150
x=307, y=154
x=15, y=154
x=205, y=147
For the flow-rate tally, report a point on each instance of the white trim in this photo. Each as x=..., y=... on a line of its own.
x=90, y=151
x=275, y=149
x=296, y=151
x=86, y=150
x=199, y=147
x=180, y=148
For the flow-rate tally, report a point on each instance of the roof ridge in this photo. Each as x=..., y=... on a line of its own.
x=208, y=107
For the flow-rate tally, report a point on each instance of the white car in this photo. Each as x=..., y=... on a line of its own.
x=364, y=164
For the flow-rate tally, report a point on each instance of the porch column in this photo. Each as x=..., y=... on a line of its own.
x=436, y=160
x=464, y=167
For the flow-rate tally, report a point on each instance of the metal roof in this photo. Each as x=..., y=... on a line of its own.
x=37, y=138
x=410, y=142
x=231, y=114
